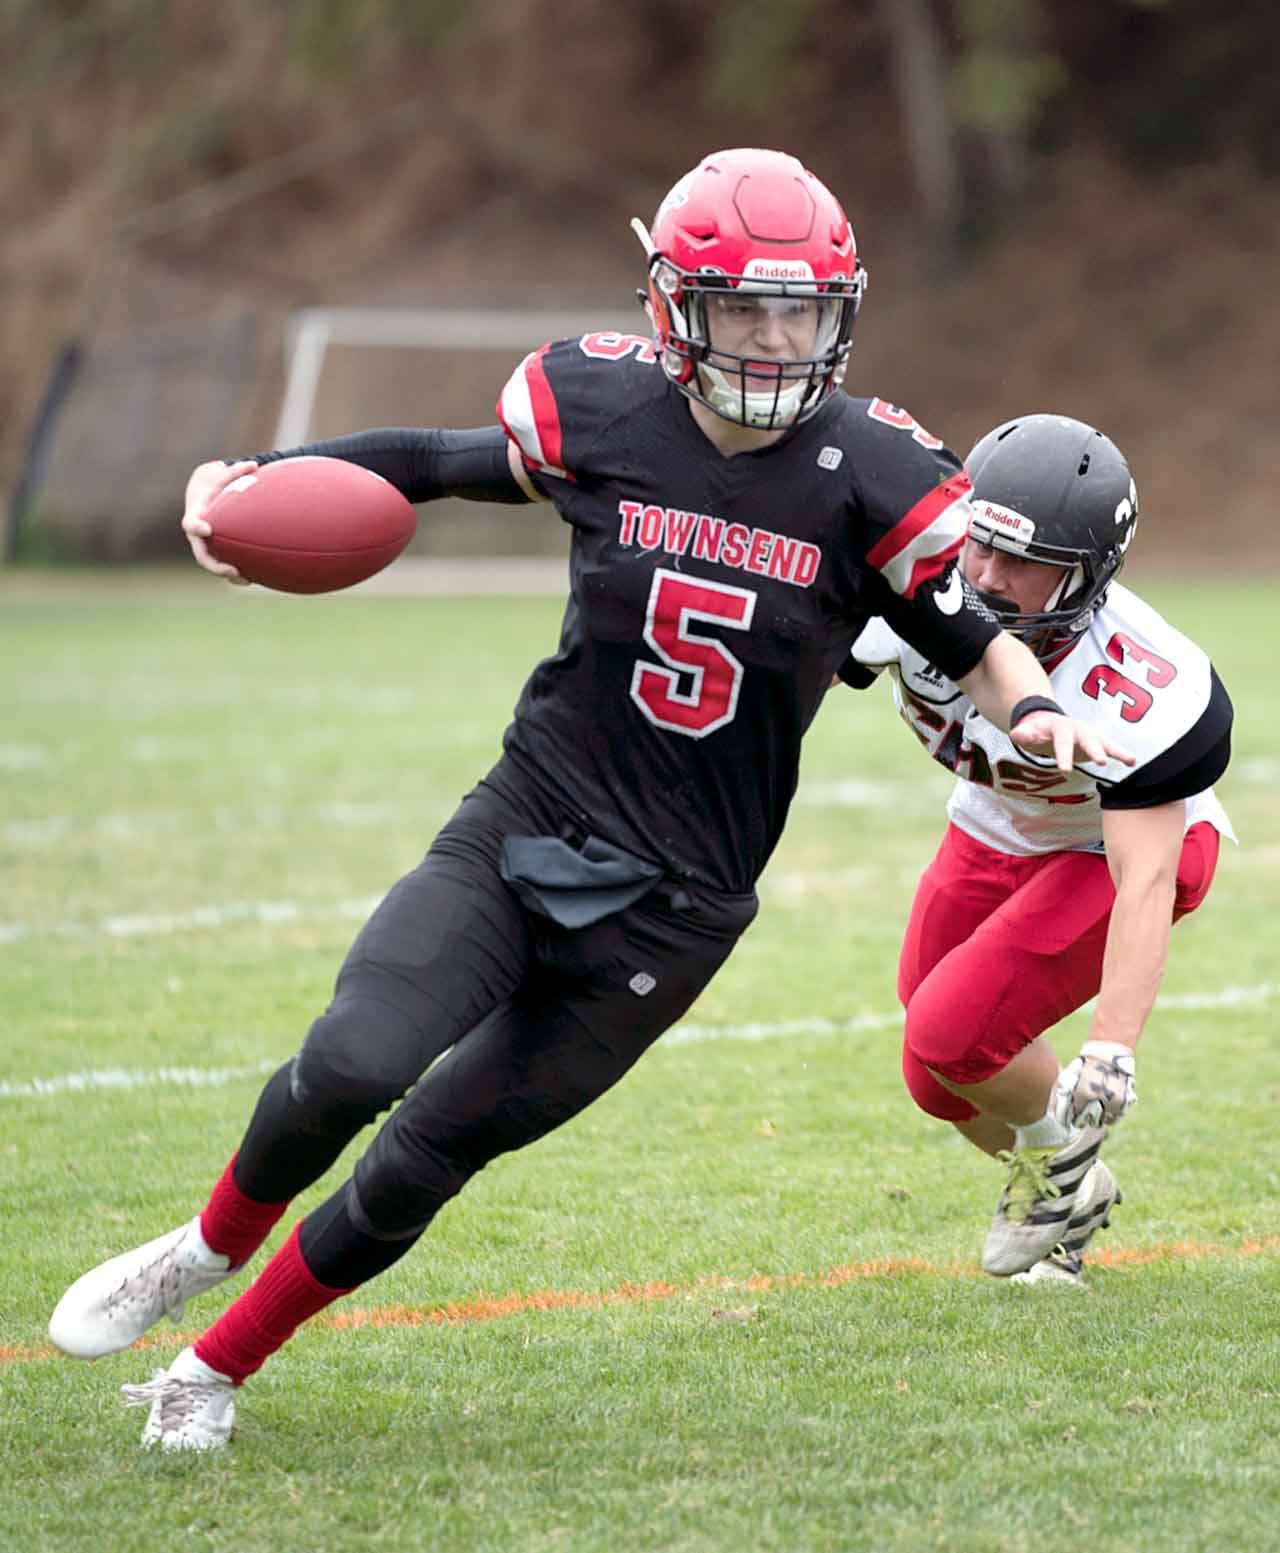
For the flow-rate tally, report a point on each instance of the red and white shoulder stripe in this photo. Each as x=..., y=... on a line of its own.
x=529, y=414
x=919, y=546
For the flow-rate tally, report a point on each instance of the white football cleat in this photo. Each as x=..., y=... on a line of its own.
x=114, y=1304
x=192, y=1406
x=1064, y=1265
x=1039, y=1201
x=1063, y=1268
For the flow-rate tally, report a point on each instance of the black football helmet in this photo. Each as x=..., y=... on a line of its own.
x=1054, y=490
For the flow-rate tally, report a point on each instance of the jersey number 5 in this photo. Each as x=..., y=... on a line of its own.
x=890, y=415
x=609, y=345
x=710, y=671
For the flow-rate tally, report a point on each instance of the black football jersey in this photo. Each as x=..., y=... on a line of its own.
x=712, y=598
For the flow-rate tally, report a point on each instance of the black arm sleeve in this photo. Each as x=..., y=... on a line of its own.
x=1195, y=762
x=949, y=625
x=424, y=462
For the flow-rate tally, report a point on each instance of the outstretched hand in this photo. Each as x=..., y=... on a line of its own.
x=207, y=482
x=1067, y=739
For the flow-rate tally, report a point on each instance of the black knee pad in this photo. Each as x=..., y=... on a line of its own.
x=464, y=1114
x=358, y=1059
x=338, y=1246
x=399, y=1185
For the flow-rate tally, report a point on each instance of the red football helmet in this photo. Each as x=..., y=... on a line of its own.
x=751, y=253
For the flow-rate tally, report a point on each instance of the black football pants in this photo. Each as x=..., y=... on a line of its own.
x=497, y=1022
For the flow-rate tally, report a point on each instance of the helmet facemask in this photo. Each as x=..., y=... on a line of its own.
x=1072, y=604
x=705, y=310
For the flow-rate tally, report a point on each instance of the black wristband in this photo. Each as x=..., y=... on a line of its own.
x=1029, y=704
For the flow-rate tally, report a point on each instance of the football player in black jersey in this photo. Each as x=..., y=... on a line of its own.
x=736, y=520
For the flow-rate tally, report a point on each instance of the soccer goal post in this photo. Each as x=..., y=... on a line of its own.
x=313, y=331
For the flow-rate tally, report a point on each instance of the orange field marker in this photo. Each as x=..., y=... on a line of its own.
x=489, y=1307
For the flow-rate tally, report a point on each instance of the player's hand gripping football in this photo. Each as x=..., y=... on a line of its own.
x=1096, y=1088
x=1067, y=739
x=207, y=482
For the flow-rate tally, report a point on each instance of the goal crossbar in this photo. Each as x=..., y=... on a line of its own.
x=312, y=330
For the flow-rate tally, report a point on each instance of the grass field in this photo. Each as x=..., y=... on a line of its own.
x=736, y=1305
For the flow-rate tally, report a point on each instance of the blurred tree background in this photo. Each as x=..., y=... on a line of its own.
x=1061, y=207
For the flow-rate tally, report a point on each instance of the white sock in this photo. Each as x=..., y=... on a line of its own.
x=190, y=1366
x=1047, y=1133
x=200, y=1251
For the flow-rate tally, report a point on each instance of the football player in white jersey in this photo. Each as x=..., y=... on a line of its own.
x=1052, y=887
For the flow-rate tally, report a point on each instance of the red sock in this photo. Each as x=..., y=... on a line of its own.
x=235, y=1225
x=283, y=1295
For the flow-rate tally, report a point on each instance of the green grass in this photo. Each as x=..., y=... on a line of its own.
x=200, y=792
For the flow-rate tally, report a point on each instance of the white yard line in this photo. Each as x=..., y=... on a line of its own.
x=149, y=926
x=682, y=1035
x=856, y=793
x=134, y=1078
x=795, y=887
x=1227, y=999
x=23, y=757
x=338, y=814
x=158, y=924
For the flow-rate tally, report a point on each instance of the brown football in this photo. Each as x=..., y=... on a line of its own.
x=310, y=524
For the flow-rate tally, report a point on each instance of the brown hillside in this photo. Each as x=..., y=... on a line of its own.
x=498, y=167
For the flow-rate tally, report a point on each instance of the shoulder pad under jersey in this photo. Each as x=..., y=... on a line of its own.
x=913, y=492
x=1137, y=679
x=562, y=396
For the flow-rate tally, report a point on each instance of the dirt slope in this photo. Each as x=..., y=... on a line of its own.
x=492, y=174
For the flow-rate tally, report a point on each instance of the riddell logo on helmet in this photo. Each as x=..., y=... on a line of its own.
x=778, y=269
x=1004, y=520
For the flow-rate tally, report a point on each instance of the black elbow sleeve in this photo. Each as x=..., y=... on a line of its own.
x=424, y=463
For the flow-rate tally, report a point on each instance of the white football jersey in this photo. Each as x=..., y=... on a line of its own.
x=1141, y=683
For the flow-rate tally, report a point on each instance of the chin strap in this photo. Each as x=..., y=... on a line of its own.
x=1072, y=579
x=642, y=232
x=759, y=412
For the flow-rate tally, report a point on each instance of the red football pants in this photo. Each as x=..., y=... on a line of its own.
x=999, y=948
